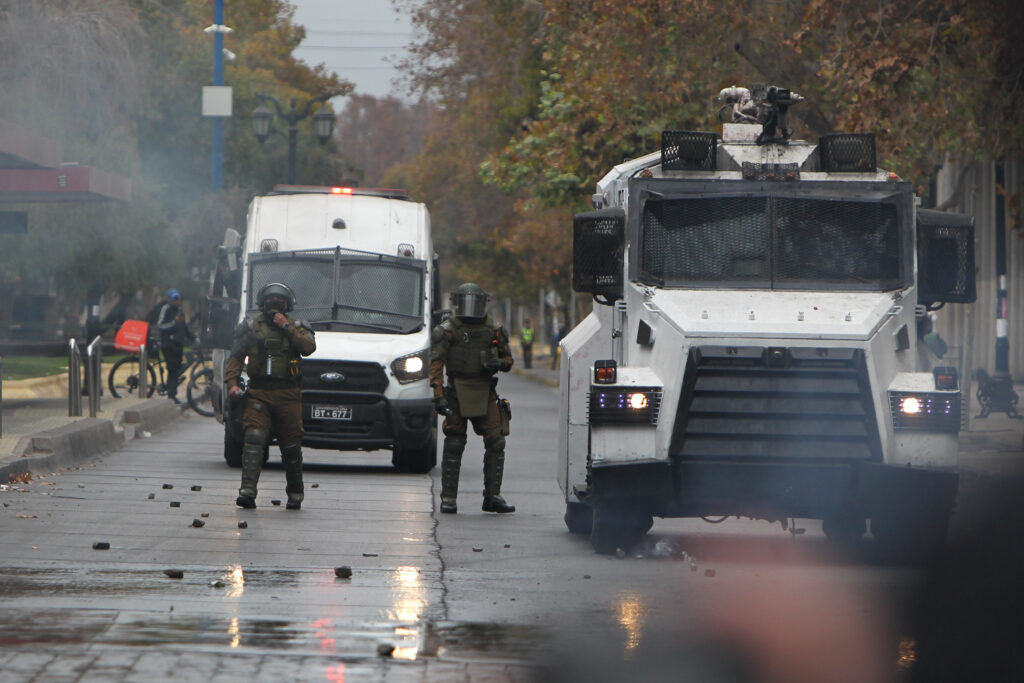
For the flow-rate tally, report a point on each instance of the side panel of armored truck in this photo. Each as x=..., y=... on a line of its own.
x=757, y=354
x=361, y=265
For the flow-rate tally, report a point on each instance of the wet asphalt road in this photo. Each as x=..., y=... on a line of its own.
x=473, y=596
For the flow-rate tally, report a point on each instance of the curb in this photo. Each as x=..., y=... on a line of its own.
x=88, y=437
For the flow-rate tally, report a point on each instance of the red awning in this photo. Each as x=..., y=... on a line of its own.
x=31, y=171
x=66, y=184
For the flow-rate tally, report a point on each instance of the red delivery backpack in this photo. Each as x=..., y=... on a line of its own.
x=132, y=335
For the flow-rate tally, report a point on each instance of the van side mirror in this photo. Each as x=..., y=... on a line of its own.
x=945, y=258
x=598, y=243
x=219, y=322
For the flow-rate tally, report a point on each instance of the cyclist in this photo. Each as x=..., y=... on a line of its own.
x=174, y=334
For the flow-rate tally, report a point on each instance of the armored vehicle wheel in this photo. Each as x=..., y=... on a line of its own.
x=845, y=529
x=232, y=450
x=417, y=460
x=578, y=518
x=617, y=525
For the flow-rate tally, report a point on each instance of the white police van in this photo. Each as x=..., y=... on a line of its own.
x=362, y=267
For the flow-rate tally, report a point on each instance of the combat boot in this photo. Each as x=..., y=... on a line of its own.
x=451, y=463
x=291, y=457
x=494, y=466
x=252, y=464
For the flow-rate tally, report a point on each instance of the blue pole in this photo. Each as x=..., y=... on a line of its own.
x=217, y=148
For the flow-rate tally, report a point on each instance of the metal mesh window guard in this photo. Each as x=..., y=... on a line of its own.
x=371, y=292
x=771, y=242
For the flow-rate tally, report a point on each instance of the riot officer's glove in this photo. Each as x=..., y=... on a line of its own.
x=441, y=406
x=493, y=364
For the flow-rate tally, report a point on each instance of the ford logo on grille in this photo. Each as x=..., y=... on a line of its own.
x=332, y=377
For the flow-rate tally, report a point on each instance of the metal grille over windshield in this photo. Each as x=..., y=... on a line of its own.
x=775, y=242
x=345, y=289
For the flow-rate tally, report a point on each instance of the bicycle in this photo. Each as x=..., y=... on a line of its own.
x=124, y=378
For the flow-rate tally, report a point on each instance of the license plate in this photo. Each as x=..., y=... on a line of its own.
x=332, y=413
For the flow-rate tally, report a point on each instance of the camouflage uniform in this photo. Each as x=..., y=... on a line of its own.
x=273, y=404
x=472, y=350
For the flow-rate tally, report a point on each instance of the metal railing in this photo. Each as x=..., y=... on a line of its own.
x=143, y=370
x=74, y=379
x=94, y=374
x=93, y=377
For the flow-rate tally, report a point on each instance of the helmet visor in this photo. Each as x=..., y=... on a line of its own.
x=470, y=305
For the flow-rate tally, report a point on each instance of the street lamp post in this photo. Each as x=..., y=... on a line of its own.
x=323, y=122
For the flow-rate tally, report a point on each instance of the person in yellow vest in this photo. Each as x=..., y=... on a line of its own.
x=526, y=342
x=473, y=349
x=269, y=347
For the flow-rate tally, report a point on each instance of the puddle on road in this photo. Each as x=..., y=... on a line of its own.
x=124, y=615
x=21, y=582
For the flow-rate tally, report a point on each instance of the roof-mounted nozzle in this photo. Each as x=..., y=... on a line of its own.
x=765, y=104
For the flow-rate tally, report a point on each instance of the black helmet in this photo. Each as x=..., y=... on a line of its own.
x=469, y=300
x=276, y=289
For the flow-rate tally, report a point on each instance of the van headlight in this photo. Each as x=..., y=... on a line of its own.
x=624, y=405
x=925, y=411
x=413, y=367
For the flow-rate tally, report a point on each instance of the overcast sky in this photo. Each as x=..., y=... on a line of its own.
x=360, y=40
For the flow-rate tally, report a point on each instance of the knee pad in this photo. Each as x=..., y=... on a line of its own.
x=454, y=443
x=256, y=436
x=494, y=442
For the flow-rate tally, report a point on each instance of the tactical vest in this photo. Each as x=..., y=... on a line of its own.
x=273, y=356
x=474, y=344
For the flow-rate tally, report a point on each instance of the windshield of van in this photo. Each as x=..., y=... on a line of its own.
x=346, y=291
x=771, y=242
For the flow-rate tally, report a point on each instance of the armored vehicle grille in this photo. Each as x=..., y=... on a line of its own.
x=776, y=404
x=355, y=376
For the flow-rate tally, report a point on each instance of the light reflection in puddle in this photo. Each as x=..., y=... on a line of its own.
x=408, y=601
x=236, y=636
x=631, y=612
x=324, y=628
x=235, y=580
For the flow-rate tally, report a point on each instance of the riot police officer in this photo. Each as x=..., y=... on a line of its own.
x=472, y=348
x=269, y=347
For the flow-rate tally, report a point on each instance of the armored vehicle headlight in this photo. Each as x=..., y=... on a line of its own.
x=625, y=406
x=925, y=411
x=638, y=401
x=411, y=367
x=911, y=405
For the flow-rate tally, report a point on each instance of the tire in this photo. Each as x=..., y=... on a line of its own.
x=617, y=526
x=579, y=518
x=417, y=460
x=200, y=392
x=232, y=449
x=123, y=379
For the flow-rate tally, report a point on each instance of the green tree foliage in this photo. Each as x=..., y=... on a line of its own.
x=480, y=61
x=595, y=81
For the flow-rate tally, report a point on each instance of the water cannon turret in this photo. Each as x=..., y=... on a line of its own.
x=761, y=103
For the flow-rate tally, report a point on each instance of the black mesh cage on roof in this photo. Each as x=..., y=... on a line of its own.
x=684, y=150
x=847, y=152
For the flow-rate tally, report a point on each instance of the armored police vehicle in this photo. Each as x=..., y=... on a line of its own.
x=362, y=267
x=755, y=352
